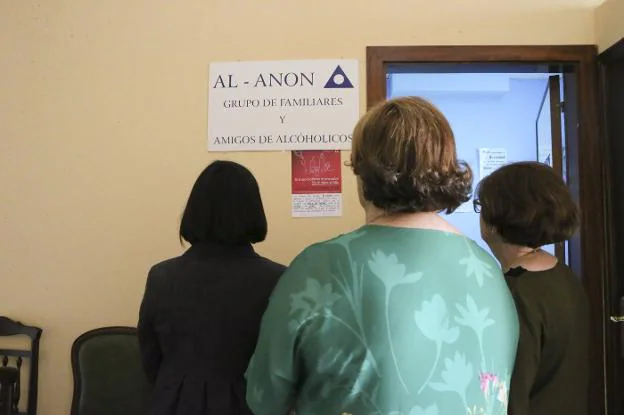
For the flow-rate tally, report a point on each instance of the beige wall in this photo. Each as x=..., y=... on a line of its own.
x=609, y=23
x=103, y=125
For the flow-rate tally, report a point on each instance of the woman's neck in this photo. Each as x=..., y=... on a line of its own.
x=416, y=220
x=372, y=214
x=509, y=255
x=377, y=216
x=513, y=256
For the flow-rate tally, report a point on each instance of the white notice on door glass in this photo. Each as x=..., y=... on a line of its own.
x=491, y=159
x=282, y=105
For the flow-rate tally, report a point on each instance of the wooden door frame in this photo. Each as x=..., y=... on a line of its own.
x=555, y=110
x=592, y=175
x=613, y=287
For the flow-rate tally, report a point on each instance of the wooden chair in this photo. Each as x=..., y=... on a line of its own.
x=8, y=386
x=10, y=376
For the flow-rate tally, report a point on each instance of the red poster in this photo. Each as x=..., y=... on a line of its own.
x=316, y=183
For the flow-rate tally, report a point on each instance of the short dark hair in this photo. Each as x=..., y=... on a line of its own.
x=528, y=204
x=404, y=154
x=224, y=207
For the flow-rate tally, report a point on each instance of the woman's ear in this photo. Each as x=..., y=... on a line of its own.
x=488, y=232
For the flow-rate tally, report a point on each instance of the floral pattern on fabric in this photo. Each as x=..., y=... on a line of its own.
x=383, y=321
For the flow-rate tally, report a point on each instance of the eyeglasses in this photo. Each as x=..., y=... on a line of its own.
x=476, y=204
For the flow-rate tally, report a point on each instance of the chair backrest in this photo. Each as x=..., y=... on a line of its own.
x=10, y=327
x=108, y=377
x=8, y=387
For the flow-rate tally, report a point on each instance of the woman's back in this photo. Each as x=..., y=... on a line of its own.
x=553, y=351
x=388, y=320
x=202, y=311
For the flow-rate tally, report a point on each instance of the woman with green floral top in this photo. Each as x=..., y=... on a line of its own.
x=404, y=316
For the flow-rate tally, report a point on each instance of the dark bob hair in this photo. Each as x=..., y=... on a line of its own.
x=404, y=154
x=528, y=204
x=224, y=207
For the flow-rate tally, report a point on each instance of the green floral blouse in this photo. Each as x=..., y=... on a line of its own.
x=387, y=321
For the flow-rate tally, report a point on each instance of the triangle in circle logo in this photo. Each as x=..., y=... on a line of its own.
x=338, y=79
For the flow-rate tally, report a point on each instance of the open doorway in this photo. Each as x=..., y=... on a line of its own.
x=560, y=92
x=510, y=116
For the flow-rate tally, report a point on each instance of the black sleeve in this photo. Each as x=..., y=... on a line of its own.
x=529, y=348
x=151, y=354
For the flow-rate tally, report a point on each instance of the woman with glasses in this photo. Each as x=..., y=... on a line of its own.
x=523, y=207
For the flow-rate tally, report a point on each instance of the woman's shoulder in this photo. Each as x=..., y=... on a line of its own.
x=537, y=287
x=317, y=257
x=166, y=265
x=559, y=274
x=333, y=246
x=370, y=239
x=164, y=268
x=485, y=258
x=180, y=265
x=271, y=267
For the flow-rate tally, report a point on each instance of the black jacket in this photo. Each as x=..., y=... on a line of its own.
x=198, y=327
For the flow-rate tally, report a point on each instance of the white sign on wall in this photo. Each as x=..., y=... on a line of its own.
x=282, y=105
